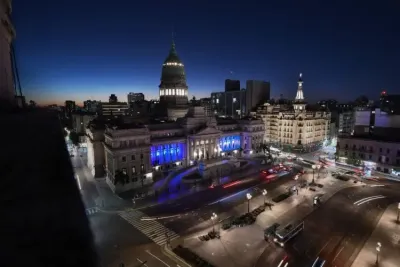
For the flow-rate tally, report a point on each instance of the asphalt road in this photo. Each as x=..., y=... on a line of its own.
x=195, y=209
x=336, y=231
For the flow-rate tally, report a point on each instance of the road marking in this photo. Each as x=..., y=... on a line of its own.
x=325, y=246
x=142, y=262
x=338, y=253
x=366, y=198
x=377, y=185
x=154, y=256
x=280, y=264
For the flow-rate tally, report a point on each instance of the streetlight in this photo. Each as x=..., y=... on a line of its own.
x=313, y=168
x=318, y=167
x=378, y=250
x=249, y=196
x=264, y=192
x=213, y=217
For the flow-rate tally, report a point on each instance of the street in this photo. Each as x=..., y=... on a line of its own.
x=334, y=231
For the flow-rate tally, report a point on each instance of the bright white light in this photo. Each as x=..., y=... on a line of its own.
x=78, y=181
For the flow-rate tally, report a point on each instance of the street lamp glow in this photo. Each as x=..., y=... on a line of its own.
x=213, y=217
x=378, y=250
x=264, y=192
x=248, y=196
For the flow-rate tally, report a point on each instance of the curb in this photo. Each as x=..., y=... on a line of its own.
x=170, y=254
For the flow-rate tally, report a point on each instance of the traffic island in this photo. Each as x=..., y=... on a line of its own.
x=245, y=219
x=282, y=197
x=190, y=257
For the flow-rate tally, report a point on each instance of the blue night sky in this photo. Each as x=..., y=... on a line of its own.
x=88, y=49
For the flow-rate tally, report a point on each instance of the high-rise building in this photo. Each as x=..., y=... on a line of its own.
x=7, y=91
x=69, y=107
x=113, y=109
x=113, y=98
x=133, y=97
x=91, y=105
x=173, y=88
x=232, y=85
x=257, y=93
x=229, y=104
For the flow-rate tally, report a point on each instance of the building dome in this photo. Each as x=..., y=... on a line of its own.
x=173, y=87
x=173, y=70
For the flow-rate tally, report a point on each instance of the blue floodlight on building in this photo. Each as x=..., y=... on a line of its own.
x=229, y=143
x=168, y=153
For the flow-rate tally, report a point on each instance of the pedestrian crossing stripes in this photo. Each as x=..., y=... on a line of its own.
x=91, y=211
x=154, y=230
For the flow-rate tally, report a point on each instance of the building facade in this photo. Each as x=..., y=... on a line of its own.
x=141, y=152
x=232, y=85
x=91, y=105
x=133, y=97
x=80, y=121
x=173, y=89
x=112, y=109
x=383, y=156
x=257, y=93
x=7, y=35
x=346, y=122
x=229, y=104
x=295, y=127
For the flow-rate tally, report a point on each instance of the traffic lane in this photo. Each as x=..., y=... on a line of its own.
x=200, y=199
x=346, y=254
x=273, y=256
x=334, y=231
x=148, y=256
x=184, y=222
x=85, y=189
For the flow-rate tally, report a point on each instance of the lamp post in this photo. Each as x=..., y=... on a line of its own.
x=264, y=192
x=378, y=250
x=313, y=169
x=248, y=196
x=318, y=168
x=213, y=217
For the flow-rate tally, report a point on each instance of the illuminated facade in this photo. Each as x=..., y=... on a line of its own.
x=229, y=143
x=167, y=153
x=173, y=89
x=141, y=153
x=293, y=126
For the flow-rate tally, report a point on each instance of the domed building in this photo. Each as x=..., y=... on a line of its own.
x=173, y=87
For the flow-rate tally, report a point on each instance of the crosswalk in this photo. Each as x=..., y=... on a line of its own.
x=91, y=211
x=154, y=230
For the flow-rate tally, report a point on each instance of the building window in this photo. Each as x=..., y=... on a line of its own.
x=388, y=151
x=142, y=168
x=141, y=156
x=133, y=170
x=133, y=157
x=370, y=157
x=123, y=159
x=124, y=171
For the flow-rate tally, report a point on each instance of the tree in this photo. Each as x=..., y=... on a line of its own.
x=354, y=160
x=120, y=177
x=74, y=137
x=32, y=104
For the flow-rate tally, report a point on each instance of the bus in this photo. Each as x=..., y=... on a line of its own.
x=283, y=235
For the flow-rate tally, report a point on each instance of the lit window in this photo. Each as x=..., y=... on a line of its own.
x=133, y=170
x=234, y=100
x=217, y=101
x=173, y=91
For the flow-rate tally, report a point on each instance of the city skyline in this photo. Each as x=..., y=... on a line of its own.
x=73, y=60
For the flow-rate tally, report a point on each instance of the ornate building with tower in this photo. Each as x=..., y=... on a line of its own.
x=173, y=89
x=297, y=126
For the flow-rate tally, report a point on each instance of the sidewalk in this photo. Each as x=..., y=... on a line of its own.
x=234, y=243
x=387, y=232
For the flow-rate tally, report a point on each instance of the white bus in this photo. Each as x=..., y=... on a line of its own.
x=284, y=234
